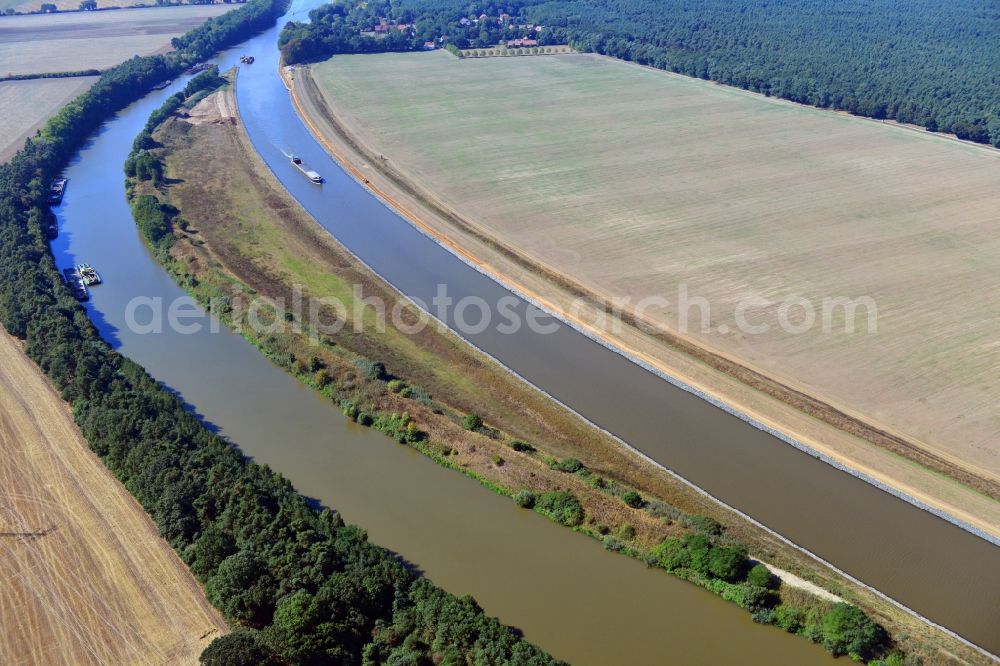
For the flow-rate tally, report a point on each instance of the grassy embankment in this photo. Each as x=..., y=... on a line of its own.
x=238, y=229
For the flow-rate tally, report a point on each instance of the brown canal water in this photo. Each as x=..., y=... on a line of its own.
x=562, y=589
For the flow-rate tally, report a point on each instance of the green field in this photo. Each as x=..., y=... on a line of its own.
x=634, y=181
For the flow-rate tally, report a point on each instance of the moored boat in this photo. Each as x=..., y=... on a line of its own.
x=90, y=276
x=56, y=190
x=76, y=284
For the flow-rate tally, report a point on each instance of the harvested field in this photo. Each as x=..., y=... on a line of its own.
x=26, y=105
x=84, y=576
x=24, y=6
x=631, y=182
x=93, y=40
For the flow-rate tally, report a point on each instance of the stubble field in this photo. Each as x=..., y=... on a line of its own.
x=633, y=182
x=47, y=43
x=26, y=105
x=76, y=41
x=84, y=576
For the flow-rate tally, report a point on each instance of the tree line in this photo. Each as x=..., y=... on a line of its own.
x=301, y=586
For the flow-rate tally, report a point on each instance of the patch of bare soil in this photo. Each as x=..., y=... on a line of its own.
x=215, y=108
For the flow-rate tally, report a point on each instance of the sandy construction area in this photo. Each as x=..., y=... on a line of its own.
x=26, y=105
x=93, y=40
x=620, y=180
x=84, y=576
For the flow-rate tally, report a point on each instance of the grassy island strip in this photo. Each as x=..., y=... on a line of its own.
x=222, y=225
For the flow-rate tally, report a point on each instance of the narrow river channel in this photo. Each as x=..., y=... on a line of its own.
x=566, y=593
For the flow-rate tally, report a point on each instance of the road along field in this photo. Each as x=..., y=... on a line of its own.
x=586, y=175
x=84, y=576
x=77, y=41
x=26, y=105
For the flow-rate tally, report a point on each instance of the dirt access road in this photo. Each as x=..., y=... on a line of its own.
x=84, y=576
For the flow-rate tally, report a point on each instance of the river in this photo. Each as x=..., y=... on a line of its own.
x=562, y=589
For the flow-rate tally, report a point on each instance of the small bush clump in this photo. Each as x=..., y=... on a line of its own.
x=568, y=465
x=633, y=499
x=561, y=506
x=521, y=446
x=525, y=499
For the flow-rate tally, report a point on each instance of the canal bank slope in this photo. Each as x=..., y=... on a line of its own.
x=932, y=481
x=85, y=577
x=264, y=242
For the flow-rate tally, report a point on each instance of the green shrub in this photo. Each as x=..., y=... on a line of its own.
x=525, y=499
x=521, y=446
x=370, y=369
x=728, y=563
x=626, y=532
x=398, y=426
x=706, y=525
x=472, y=422
x=895, y=659
x=350, y=410
x=142, y=165
x=672, y=555
x=789, y=618
x=561, y=506
x=396, y=385
x=205, y=81
x=747, y=596
x=154, y=220
x=497, y=460
x=699, y=548
x=763, y=616
x=242, y=646
x=597, y=482
x=761, y=576
x=633, y=499
x=845, y=629
x=568, y=465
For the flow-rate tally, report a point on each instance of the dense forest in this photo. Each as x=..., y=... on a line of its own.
x=300, y=586
x=927, y=62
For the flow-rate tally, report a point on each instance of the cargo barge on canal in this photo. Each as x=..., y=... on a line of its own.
x=309, y=173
